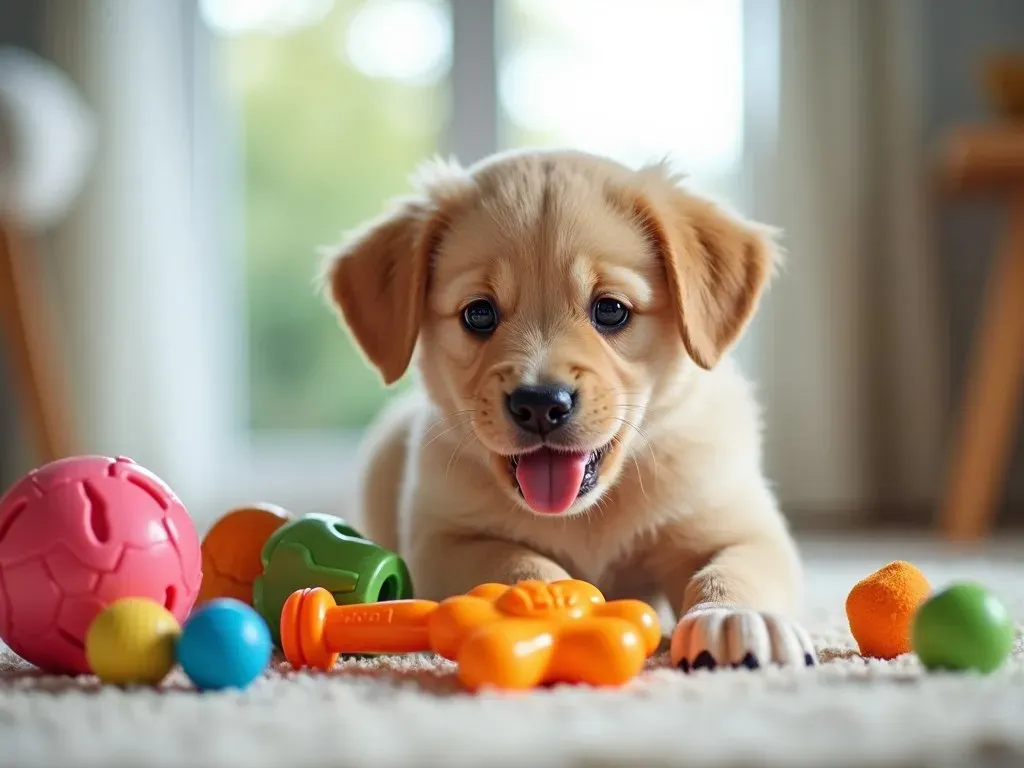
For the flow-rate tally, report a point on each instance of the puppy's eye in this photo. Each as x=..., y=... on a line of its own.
x=480, y=316
x=610, y=314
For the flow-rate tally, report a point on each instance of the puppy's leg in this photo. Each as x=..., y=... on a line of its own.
x=385, y=451
x=761, y=573
x=443, y=565
x=736, y=602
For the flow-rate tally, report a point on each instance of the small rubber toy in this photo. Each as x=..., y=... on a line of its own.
x=231, y=551
x=132, y=642
x=964, y=627
x=881, y=607
x=506, y=637
x=224, y=644
x=324, y=551
x=78, y=534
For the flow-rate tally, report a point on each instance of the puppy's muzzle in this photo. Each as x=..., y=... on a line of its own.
x=541, y=409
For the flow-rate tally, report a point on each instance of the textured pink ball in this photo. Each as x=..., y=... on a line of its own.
x=78, y=534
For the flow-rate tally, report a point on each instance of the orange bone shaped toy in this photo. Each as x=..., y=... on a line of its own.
x=508, y=637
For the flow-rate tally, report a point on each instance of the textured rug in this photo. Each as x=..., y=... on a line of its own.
x=409, y=711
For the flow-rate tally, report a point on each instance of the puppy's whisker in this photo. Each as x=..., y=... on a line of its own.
x=639, y=473
x=455, y=453
x=443, y=419
x=643, y=409
x=444, y=432
x=647, y=442
x=638, y=430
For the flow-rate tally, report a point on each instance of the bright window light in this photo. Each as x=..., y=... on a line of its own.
x=404, y=40
x=238, y=17
x=635, y=80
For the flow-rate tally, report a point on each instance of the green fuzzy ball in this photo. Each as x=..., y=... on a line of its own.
x=963, y=628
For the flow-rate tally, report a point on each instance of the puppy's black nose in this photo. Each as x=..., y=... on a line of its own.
x=541, y=409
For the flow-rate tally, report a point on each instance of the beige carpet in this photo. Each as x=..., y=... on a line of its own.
x=399, y=712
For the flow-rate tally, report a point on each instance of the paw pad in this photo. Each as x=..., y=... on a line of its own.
x=749, y=661
x=704, y=660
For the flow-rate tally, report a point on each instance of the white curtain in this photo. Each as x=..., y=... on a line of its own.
x=133, y=280
x=847, y=350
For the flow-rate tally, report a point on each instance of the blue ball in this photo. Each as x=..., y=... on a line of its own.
x=224, y=644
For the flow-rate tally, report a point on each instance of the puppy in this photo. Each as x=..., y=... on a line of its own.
x=576, y=414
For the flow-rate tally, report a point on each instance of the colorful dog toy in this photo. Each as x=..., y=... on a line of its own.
x=513, y=637
x=232, y=548
x=324, y=551
x=963, y=627
x=881, y=607
x=224, y=644
x=78, y=534
x=135, y=641
x=132, y=642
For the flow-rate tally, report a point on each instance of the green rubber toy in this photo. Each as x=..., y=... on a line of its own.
x=324, y=551
x=963, y=628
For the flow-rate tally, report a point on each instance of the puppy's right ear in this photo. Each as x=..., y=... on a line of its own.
x=378, y=283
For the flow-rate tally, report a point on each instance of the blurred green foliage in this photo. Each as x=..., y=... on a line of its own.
x=324, y=148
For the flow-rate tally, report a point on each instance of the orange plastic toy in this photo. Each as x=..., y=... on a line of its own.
x=507, y=637
x=231, y=551
x=881, y=609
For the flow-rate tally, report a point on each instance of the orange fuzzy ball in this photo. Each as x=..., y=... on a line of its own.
x=881, y=608
x=231, y=551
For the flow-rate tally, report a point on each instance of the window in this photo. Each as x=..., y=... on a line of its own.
x=663, y=78
x=331, y=104
x=336, y=103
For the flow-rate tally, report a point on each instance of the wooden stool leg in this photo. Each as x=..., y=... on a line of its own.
x=33, y=354
x=993, y=394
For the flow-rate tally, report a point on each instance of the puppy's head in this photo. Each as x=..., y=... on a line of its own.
x=552, y=297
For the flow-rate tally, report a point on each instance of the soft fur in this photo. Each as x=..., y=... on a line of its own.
x=682, y=508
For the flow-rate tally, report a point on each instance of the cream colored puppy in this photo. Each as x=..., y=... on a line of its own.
x=576, y=414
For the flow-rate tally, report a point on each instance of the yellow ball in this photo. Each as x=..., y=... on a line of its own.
x=131, y=642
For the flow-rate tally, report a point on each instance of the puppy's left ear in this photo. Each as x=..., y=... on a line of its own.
x=378, y=283
x=717, y=266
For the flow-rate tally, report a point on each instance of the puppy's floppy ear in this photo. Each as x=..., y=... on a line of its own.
x=378, y=282
x=717, y=266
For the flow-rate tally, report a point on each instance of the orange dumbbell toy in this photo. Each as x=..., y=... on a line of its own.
x=231, y=551
x=315, y=630
x=511, y=637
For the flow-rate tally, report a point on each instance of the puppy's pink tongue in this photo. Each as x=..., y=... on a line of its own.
x=549, y=480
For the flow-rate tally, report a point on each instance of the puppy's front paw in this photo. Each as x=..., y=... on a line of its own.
x=712, y=635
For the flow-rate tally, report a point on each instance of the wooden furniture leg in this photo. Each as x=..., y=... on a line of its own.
x=28, y=328
x=993, y=394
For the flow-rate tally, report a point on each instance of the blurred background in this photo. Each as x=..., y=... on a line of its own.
x=172, y=170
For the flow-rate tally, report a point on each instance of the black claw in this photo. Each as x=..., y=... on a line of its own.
x=684, y=665
x=704, y=660
x=809, y=660
x=750, y=662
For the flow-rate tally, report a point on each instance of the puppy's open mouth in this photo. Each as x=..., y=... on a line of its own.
x=551, y=480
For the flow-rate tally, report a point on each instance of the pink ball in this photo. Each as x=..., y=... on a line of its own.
x=78, y=534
